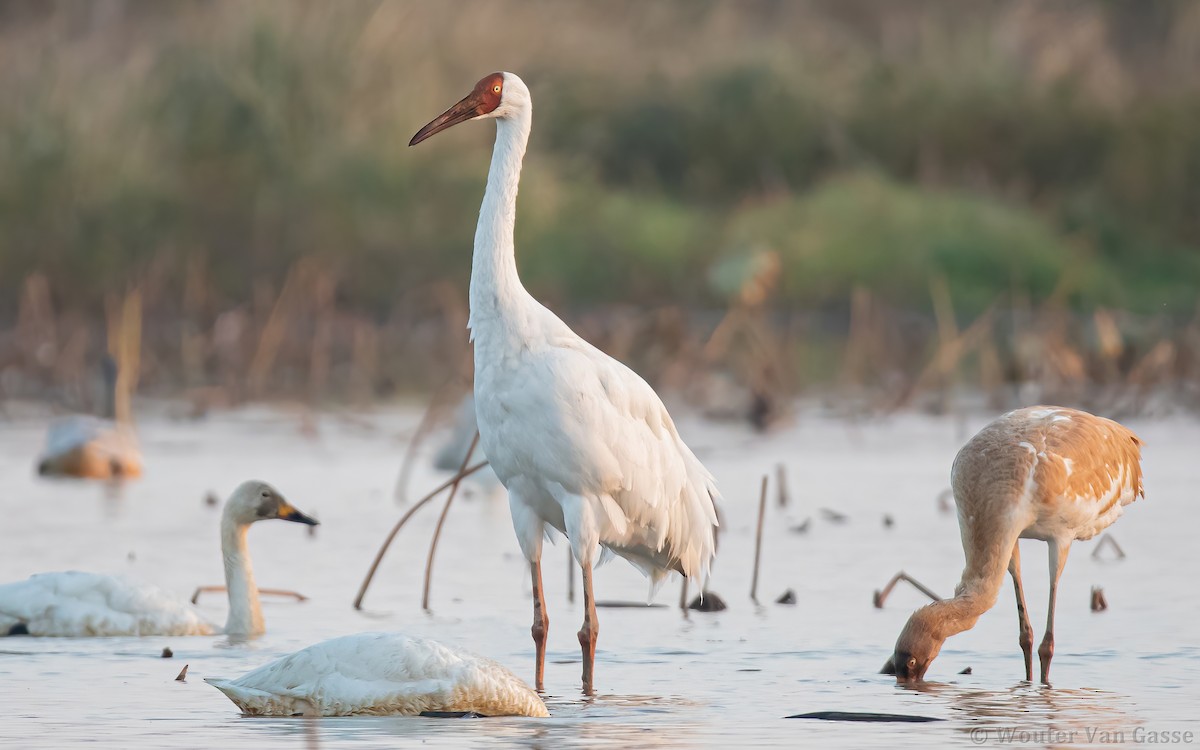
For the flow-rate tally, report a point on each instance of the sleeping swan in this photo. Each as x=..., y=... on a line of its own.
x=88, y=604
x=90, y=447
x=378, y=674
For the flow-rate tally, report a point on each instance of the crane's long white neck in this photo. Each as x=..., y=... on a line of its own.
x=245, y=612
x=496, y=290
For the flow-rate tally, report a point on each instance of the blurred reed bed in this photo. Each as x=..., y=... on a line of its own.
x=749, y=361
x=999, y=196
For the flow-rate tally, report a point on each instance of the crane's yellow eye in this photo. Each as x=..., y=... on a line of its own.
x=496, y=88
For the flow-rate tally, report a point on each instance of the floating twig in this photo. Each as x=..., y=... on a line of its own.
x=1107, y=540
x=266, y=592
x=762, y=509
x=437, y=531
x=881, y=596
x=1099, y=603
x=362, y=591
x=182, y=674
x=618, y=604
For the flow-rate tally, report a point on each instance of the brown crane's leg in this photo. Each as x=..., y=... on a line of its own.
x=590, y=629
x=1026, y=637
x=1058, y=560
x=541, y=623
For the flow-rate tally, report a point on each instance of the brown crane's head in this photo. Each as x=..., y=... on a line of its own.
x=916, y=648
x=495, y=96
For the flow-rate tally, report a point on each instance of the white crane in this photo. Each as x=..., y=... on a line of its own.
x=1044, y=472
x=580, y=441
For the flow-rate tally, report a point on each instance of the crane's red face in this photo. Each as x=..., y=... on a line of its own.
x=483, y=100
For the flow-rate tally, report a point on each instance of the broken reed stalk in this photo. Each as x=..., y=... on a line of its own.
x=452, y=482
x=762, y=509
x=881, y=596
x=266, y=592
x=437, y=531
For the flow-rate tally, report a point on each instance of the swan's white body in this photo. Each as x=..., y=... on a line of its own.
x=381, y=673
x=90, y=447
x=78, y=604
x=75, y=604
x=582, y=443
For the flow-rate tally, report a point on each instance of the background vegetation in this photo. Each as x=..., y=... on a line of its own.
x=1019, y=150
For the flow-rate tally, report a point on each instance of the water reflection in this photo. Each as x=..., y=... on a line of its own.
x=619, y=721
x=1031, y=714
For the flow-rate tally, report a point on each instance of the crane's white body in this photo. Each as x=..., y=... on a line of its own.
x=77, y=604
x=381, y=673
x=581, y=442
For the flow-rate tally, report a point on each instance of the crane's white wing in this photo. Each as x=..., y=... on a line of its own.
x=381, y=673
x=72, y=603
x=581, y=423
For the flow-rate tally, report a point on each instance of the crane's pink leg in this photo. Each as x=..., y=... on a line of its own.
x=1058, y=560
x=541, y=623
x=590, y=629
x=1026, y=637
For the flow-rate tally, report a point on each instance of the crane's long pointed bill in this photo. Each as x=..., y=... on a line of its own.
x=465, y=110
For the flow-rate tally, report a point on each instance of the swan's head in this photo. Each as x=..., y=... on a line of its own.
x=499, y=95
x=258, y=501
x=916, y=648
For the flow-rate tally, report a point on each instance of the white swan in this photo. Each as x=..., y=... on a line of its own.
x=88, y=604
x=381, y=673
x=90, y=447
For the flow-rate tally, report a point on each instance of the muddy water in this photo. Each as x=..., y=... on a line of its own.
x=713, y=680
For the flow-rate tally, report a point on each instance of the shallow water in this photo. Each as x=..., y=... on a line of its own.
x=710, y=680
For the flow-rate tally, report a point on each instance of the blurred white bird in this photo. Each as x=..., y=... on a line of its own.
x=90, y=447
x=78, y=604
x=580, y=441
x=381, y=673
x=453, y=452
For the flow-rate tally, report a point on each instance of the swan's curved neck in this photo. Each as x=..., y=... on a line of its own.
x=496, y=290
x=245, y=612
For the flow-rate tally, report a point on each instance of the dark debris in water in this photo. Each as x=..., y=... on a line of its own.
x=787, y=597
x=452, y=715
x=801, y=528
x=710, y=602
x=966, y=671
x=863, y=717
x=167, y=653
